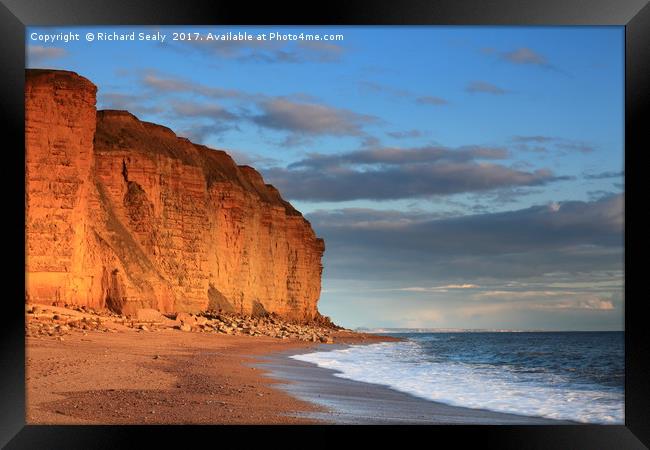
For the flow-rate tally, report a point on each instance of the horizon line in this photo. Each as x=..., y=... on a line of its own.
x=460, y=330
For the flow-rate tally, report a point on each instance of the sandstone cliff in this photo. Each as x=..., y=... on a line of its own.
x=123, y=214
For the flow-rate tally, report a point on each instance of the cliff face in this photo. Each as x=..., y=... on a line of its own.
x=124, y=214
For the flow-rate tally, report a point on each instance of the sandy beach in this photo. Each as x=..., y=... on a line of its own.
x=167, y=376
x=131, y=376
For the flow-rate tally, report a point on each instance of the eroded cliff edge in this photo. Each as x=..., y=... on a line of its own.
x=123, y=214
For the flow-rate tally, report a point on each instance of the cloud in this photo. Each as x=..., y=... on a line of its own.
x=604, y=175
x=367, y=218
x=399, y=156
x=311, y=118
x=548, y=299
x=251, y=159
x=430, y=100
x=371, y=86
x=370, y=141
x=199, y=133
x=209, y=111
x=576, y=146
x=535, y=139
x=301, y=116
x=503, y=196
x=540, y=144
x=524, y=55
x=444, y=288
x=174, y=85
x=392, y=173
x=568, y=240
x=298, y=114
x=194, y=120
x=484, y=88
x=322, y=51
x=38, y=54
x=556, y=220
x=404, y=134
x=136, y=104
x=589, y=304
x=536, y=302
x=552, y=266
x=270, y=52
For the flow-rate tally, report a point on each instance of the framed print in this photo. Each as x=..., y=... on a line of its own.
x=380, y=215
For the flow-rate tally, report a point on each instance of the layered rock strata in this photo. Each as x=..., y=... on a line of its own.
x=123, y=214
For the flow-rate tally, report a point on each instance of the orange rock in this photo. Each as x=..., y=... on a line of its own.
x=123, y=214
x=148, y=315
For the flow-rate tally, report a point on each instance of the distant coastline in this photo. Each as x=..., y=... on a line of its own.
x=471, y=330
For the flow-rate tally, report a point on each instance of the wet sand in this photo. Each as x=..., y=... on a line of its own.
x=344, y=401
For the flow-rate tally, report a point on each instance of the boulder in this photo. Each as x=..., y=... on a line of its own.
x=148, y=315
x=186, y=318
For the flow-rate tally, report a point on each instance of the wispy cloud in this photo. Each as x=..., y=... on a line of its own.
x=196, y=120
x=483, y=87
x=576, y=146
x=199, y=133
x=311, y=118
x=135, y=103
x=174, y=85
x=211, y=111
x=404, y=134
x=252, y=159
x=536, y=303
x=431, y=100
x=540, y=144
x=534, y=139
x=269, y=52
x=403, y=156
x=371, y=86
x=38, y=54
x=444, y=288
x=323, y=51
x=604, y=175
x=299, y=115
x=524, y=55
x=393, y=173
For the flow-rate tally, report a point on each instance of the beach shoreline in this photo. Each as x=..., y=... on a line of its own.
x=121, y=374
x=344, y=401
x=166, y=376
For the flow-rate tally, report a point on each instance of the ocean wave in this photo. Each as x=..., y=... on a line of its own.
x=407, y=367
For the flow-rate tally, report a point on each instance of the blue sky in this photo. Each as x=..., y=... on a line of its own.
x=466, y=177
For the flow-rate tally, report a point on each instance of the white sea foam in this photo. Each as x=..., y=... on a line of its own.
x=403, y=366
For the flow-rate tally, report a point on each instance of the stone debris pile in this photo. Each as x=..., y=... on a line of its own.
x=44, y=321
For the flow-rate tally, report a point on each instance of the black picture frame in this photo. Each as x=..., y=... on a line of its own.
x=15, y=15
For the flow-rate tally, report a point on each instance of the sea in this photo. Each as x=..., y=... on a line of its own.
x=574, y=376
